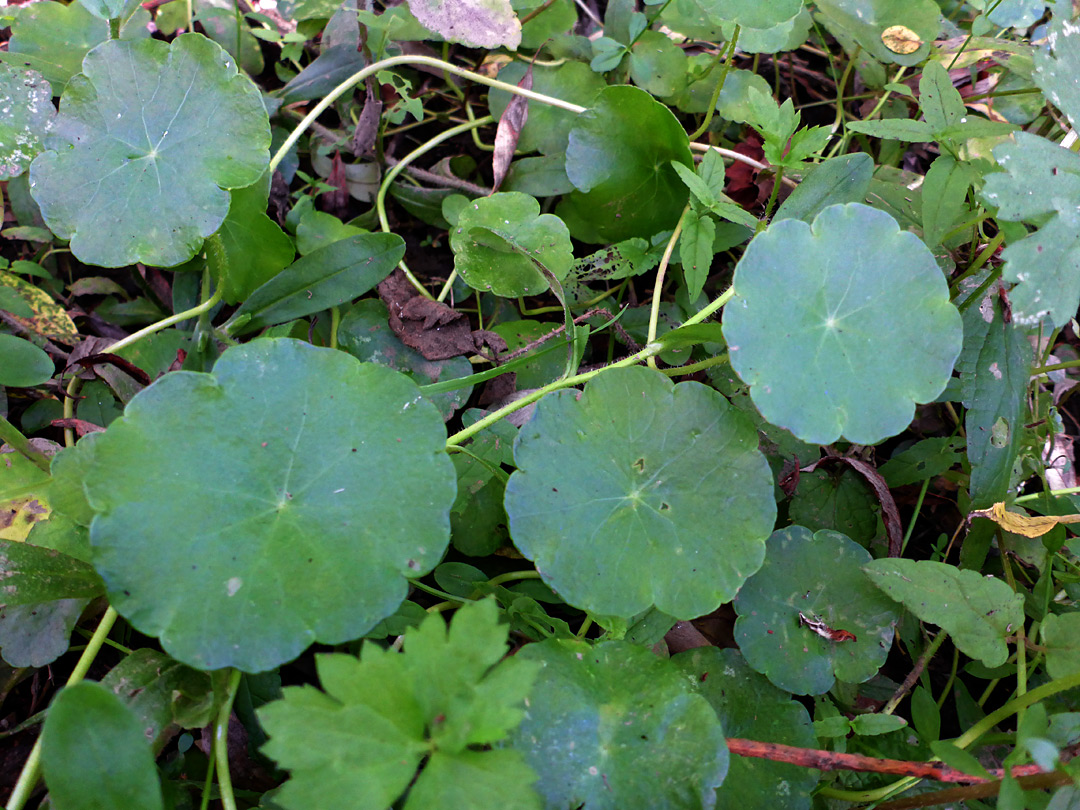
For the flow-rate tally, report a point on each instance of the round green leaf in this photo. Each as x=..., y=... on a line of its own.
x=754, y=13
x=837, y=499
x=157, y=134
x=547, y=129
x=282, y=499
x=752, y=708
x=22, y=364
x=613, y=726
x=26, y=102
x=619, y=160
x=499, y=240
x=1061, y=637
x=866, y=20
x=619, y=492
x=841, y=326
x=820, y=576
x=94, y=754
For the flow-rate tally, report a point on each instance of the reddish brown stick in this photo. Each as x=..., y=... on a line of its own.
x=835, y=761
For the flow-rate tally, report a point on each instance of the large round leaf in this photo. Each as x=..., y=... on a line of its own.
x=282, y=499
x=503, y=244
x=819, y=576
x=841, y=326
x=750, y=707
x=157, y=133
x=619, y=160
x=613, y=726
x=639, y=492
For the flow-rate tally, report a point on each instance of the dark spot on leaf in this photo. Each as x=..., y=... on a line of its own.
x=665, y=507
x=639, y=465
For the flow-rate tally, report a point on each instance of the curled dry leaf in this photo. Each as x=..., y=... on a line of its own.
x=1018, y=523
x=509, y=131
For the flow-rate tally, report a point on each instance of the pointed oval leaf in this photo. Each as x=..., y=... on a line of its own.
x=977, y=612
x=819, y=576
x=34, y=574
x=752, y=708
x=618, y=489
x=1061, y=637
x=94, y=754
x=613, y=726
x=507, y=265
x=22, y=364
x=475, y=23
x=157, y=133
x=280, y=500
x=26, y=99
x=619, y=160
x=866, y=329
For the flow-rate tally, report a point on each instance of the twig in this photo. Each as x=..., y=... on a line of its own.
x=982, y=790
x=836, y=761
x=443, y=180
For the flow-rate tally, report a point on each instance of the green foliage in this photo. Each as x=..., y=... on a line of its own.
x=578, y=430
x=445, y=696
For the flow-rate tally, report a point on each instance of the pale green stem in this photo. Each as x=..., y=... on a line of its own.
x=401, y=165
x=13, y=436
x=221, y=743
x=705, y=313
x=1055, y=492
x=449, y=285
x=658, y=287
x=719, y=87
x=32, y=768
x=371, y=70
x=693, y=368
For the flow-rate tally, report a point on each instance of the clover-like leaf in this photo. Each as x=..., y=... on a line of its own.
x=977, y=612
x=386, y=711
x=280, y=500
x=619, y=160
x=157, y=133
x=819, y=576
x=1041, y=183
x=499, y=241
x=867, y=327
x=475, y=23
x=618, y=489
x=752, y=708
x=613, y=726
x=26, y=102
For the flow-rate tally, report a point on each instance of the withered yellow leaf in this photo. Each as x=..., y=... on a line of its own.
x=50, y=320
x=1018, y=523
x=901, y=39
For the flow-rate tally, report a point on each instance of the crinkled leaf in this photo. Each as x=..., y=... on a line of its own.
x=162, y=693
x=1041, y=179
x=939, y=100
x=94, y=754
x=820, y=576
x=868, y=329
x=22, y=364
x=866, y=20
x=52, y=38
x=1061, y=637
x=613, y=726
x=157, y=133
x=635, y=459
x=474, y=23
x=326, y=277
x=33, y=574
x=696, y=251
x=843, y=179
x=977, y=612
x=507, y=265
x=1056, y=70
x=752, y=708
x=365, y=333
x=305, y=530
x=385, y=711
x=618, y=159
x=896, y=129
x=713, y=199
x=944, y=191
x=26, y=100
x=255, y=248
